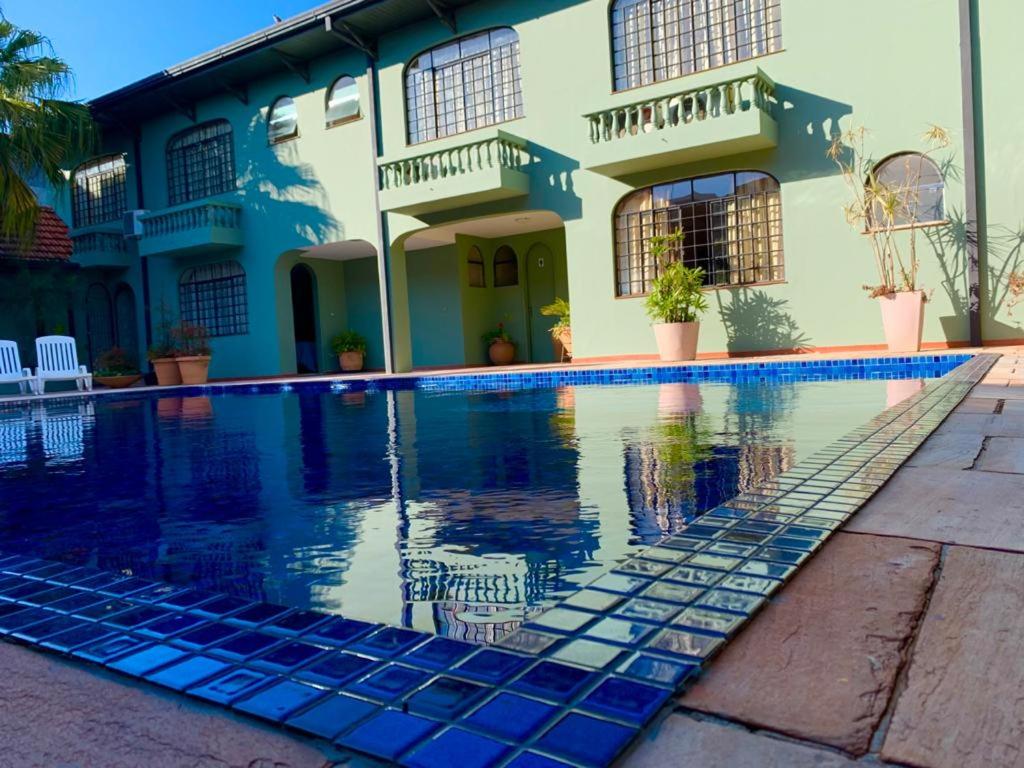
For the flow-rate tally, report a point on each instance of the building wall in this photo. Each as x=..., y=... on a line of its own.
x=319, y=188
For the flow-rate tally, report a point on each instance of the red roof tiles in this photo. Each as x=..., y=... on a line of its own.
x=51, y=242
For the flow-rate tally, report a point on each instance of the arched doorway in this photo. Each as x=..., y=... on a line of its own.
x=99, y=321
x=125, y=319
x=303, y=283
x=540, y=291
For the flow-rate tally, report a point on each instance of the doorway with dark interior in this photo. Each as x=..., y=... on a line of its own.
x=304, y=318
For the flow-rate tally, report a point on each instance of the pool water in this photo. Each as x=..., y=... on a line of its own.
x=459, y=513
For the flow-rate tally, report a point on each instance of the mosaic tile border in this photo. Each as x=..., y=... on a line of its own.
x=574, y=686
x=894, y=367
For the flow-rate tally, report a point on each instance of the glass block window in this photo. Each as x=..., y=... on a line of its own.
x=342, y=101
x=98, y=192
x=654, y=40
x=731, y=222
x=213, y=296
x=200, y=162
x=282, y=120
x=475, y=268
x=468, y=83
x=506, y=267
x=917, y=181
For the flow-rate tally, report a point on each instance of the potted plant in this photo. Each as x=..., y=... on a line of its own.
x=886, y=212
x=115, y=369
x=500, y=347
x=163, y=354
x=350, y=347
x=561, y=331
x=675, y=300
x=193, y=347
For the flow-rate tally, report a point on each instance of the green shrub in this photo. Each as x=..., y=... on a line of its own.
x=677, y=293
x=348, y=341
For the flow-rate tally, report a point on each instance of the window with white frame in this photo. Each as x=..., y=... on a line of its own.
x=282, y=120
x=654, y=40
x=98, y=192
x=342, y=101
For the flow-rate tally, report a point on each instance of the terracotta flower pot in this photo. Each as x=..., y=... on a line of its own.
x=676, y=341
x=167, y=373
x=194, y=369
x=902, y=320
x=351, y=361
x=117, y=382
x=563, y=344
x=501, y=352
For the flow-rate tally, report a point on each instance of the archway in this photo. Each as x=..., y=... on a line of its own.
x=99, y=321
x=303, y=284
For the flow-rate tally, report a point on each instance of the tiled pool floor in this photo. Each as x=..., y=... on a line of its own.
x=574, y=687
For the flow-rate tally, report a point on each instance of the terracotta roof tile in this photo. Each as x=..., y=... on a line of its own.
x=51, y=243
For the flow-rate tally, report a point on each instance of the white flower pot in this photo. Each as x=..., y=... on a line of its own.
x=902, y=320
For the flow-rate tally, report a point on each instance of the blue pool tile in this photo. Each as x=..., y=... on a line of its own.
x=658, y=670
x=618, y=631
x=76, y=602
x=682, y=643
x=389, y=683
x=206, y=635
x=26, y=589
x=21, y=618
x=332, y=716
x=457, y=747
x=189, y=598
x=51, y=596
x=111, y=648
x=388, y=642
x=619, y=583
x=127, y=587
x=337, y=668
x=533, y=760
x=287, y=657
x=137, y=617
x=625, y=700
x=280, y=700
x=296, y=622
x=257, y=614
x=530, y=641
x=512, y=717
x=52, y=626
x=445, y=697
x=107, y=609
x=439, y=653
x=339, y=632
x=172, y=625
x=553, y=681
x=158, y=593
x=588, y=653
x=99, y=581
x=231, y=686
x=244, y=645
x=586, y=740
x=491, y=666
x=148, y=660
x=224, y=605
x=187, y=673
x=389, y=734
x=86, y=634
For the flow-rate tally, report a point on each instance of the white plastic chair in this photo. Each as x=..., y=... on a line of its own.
x=11, y=371
x=57, y=360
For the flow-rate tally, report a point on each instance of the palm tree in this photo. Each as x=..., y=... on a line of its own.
x=40, y=135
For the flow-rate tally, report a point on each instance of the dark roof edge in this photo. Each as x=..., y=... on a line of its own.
x=264, y=37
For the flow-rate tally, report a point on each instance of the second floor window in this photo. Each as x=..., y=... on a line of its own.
x=654, y=40
x=282, y=120
x=200, y=162
x=468, y=83
x=98, y=191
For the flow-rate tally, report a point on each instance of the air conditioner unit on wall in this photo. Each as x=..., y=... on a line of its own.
x=133, y=223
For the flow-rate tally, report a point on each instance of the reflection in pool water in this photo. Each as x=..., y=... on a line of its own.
x=458, y=513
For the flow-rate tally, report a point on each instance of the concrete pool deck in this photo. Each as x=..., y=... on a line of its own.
x=906, y=637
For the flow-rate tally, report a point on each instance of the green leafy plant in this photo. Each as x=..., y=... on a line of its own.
x=558, y=308
x=191, y=340
x=348, y=341
x=115, y=362
x=163, y=347
x=496, y=334
x=677, y=293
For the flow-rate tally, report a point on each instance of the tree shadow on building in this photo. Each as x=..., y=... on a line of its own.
x=756, y=321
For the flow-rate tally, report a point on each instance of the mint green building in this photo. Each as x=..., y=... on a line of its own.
x=422, y=170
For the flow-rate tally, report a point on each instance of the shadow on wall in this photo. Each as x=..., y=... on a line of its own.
x=755, y=321
x=276, y=185
x=1005, y=252
x=807, y=124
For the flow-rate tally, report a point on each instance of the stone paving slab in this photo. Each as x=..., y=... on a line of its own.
x=950, y=450
x=57, y=714
x=1002, y=454
x=820, y=662
x=684, y=741
x=963, y=706
x=978, y=405
x=1009, y=391
x=981, y=509
x=1003, y=424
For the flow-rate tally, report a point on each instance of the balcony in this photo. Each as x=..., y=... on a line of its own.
x=100, y=248
x=721, y=118
x=454, y=177
x=192, y=228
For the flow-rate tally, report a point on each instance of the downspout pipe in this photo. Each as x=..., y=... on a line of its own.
x=140, y=199
x=969, y=118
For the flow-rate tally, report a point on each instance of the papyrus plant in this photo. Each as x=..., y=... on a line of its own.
x=883, y=210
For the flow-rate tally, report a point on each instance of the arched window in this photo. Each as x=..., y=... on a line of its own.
x=506, y=267
x=213, y=296
x=654, y=40
x=464, y=84
x=200, y=162
x=731, y=225
x=282, y=120
x=98, y=191
x=475, y=268
x=342, y=101
x=917, y=184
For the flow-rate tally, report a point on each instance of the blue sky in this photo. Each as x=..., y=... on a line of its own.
x=110, y=43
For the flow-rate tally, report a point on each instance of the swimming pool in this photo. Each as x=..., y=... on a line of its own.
x=455, y=511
